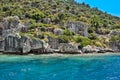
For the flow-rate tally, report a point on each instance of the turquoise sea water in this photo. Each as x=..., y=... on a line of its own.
x=36, y=67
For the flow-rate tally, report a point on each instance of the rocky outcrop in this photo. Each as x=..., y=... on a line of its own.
x=1, y=46
x=103, y=50
x=94, y=49
x=1, y=28
x=37, y=46
x=78, y=27
x=58, y=31
x=115, y=46
x=53, y=42
x=22, y=45
x=11, y=44
x=89, y=49
x=11, y=22
x=12, y=25
x=68, y=48
x=25, y=44
x=16, y=44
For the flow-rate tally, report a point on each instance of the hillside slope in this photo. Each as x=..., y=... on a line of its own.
x=64, y=20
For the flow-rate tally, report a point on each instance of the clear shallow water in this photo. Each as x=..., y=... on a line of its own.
x=105, y=67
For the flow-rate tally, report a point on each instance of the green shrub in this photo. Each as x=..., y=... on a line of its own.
x=5, y=8
x=37, y=15
x=64, y=39
x=103, y=31
x=114, y=38
x=83, y=41
x=92, y=36
x=68, y=33
x=96, y=22
x=43, y=29
x=91, y=30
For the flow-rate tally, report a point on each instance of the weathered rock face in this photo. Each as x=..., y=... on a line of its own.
x=78, y=27
x=1, y=45
x=1, y=38
x=16, y=44
x=68, y=48
x=89, y=49
x=25, y=46
x=11, y=22
x=11, y=44
x=37, y=46
x=94, y=49
x=53, y=42
x=12, y=25
x=1, y=28
x=115, y=46
x=21, y=44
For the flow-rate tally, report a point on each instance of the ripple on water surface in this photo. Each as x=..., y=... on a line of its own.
x=37, y=67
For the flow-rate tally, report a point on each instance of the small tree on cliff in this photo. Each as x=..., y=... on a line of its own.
x=95, y=22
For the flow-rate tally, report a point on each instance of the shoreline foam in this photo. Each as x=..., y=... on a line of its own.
x=58, y=54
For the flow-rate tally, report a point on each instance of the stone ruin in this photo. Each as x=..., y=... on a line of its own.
x=78, y=28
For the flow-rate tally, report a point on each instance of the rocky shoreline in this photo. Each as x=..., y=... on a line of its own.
x=14, y=39
x=66, y=55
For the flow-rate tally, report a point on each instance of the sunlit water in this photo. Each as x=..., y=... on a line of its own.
x=37, y=67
